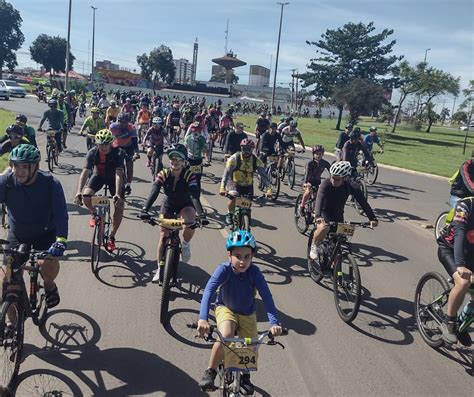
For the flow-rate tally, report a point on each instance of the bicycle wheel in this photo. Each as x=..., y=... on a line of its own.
x=300, y=218
x=153, y=167
x=347, y=287
x=440, y=223
x=291, y=174
x=106, y=227
x=431, y=297
x=371, y=174
x=50, y=157
x=363, y=187
x=11, y=341
x=96, y=244
x=223, y=381
x=39, y=314
x=275, y=182
x=283, y=169
x=56, y=156
x=314, y=265
x=166, y=288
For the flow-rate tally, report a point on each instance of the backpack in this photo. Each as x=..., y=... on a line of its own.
x=239, y=162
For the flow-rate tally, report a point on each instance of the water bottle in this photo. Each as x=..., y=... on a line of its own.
x=466, y=312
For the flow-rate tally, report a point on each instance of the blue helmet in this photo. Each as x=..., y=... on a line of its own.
x=240, y=238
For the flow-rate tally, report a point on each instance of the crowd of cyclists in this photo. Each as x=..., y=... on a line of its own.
x=122, y=126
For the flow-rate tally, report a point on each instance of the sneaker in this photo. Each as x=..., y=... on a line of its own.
x=246, y=386
x=128, y=190
x=464, y=339
x=185, y=251
x=228, y=219
x=313, y=252
x=93, y=220
x=449, y=332
x=111, y=244
x=207, y=381
x=158, y=277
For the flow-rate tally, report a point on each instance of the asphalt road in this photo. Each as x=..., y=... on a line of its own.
x=105, y=338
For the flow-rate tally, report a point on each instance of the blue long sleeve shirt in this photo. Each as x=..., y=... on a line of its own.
x=236, y=291
x=36, y=209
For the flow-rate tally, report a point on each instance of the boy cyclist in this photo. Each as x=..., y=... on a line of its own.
x=235, y=283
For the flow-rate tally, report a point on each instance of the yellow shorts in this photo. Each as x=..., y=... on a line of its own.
x=246, y=325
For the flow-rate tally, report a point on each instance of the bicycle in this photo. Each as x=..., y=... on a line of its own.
x=18, y=305
x=156, y=164
x=288, y=168
x=242, y=212
x=141, y=131
x=171, y=254
x=440, y=223
x=360, y=182
x=90, y=141
x=175, y=132
x=305, y=216
x=82, y=110
x=335, y=257
x=273, y=177
x=430, y=310
x=241, y=356
x=369, y=172
x=52, y=151
x=100, y=236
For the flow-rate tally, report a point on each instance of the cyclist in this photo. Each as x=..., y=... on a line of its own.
x=174, y=119
x=112, y=112
x=225, y=124
x=154, y=140
x=233, y=139
x=92, y=124
x=127, y=108
x=73, y=105
x=179, y=185
x=103, y=104
x=314, y=169
x=232, y=288
x=158, y=111
x=37, y=212
x=268, y=141
x=143, y=120
x=262, y=124
x=372, y=138
x=55, y=118
x=104, y=165
x=30, y=134
x=456, y=254
x=64, y=107
x=353, y=146
x=343, y=138
x=462, y=182
x=288, y=134
x=15, y=135
x=125, y=137
x=238, y=173
x=330, y=200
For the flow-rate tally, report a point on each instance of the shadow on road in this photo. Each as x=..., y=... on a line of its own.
x=390, y=215
x=385, y=190
x=367, y=255
x=45, y=382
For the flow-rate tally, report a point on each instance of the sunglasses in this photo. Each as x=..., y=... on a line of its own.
x=336, y=178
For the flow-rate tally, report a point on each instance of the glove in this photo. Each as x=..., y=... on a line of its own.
x=58, y=247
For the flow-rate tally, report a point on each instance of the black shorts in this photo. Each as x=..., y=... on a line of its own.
x=97, y=182
x=287, y=145
x=129, y=152
x=245, y=190
x=40, y=243
x=171, y=210
x=446, y=257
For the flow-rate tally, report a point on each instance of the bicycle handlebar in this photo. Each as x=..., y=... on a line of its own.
x=23, y=249
x=170, y=223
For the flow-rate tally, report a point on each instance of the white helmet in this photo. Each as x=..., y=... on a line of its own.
x=341, y=168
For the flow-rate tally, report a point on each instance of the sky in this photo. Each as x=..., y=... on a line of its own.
x=127, y=28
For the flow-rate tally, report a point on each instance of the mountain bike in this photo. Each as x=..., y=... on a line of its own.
x=18, y=305
x=335, y=259
x=369, y=172
x=175, y=132
x=241, y=217
x=431, y=299
x=171, y=254
x=241, y=356
x=100, y=236
x=304, y=217
x=141, y=131
x=440, y=223
x=360, y=182
x=82, y=110
x=52, y=150
x=273, y=176
x=288, y=168
x=156, y=164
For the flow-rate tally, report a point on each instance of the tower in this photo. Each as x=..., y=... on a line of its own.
x=195, y=58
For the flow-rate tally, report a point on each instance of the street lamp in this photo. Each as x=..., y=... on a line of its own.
x=426, y=52
x=277, y=54
x=93, y=42
x=66, y=83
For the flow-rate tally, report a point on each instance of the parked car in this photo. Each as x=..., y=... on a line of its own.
x=14, y=88
x=4, y=93
x=464, y=127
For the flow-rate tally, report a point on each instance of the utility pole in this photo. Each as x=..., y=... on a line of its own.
x=93, y=43
x=277, y=54
x=296, y=92
x=293, y=71
x=66, y=83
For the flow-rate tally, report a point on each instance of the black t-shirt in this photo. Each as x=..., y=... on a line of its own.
x=175, y=116
x=314, y=171
x=105, y=165
x=262, y=125
x=268, y=141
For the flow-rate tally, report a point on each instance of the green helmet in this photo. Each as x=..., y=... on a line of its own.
x=104, y=136
x=25, y=154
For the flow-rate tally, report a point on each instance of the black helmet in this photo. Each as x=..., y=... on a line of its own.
x=15, y=129
x=21, y=117
x=122, y=117
x=355, y=134
x=52, y=103
x=349, y=126
x=179, y=150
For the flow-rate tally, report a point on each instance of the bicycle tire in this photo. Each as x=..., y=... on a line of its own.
x=166, y=288
x=50, y=158
x=371, y=174
x=432, y=336
x=347, y=281
x=314, y=265
x=96, y=244
x=274, y=181
x=223, y=389
x=440, y=223
x=291, y=174
x=11, y=349
x=106, y=227
x=283, y=170
x=39, y=314
x=300, y=218
x=56, y=156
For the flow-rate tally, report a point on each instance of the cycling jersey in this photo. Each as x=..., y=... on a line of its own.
x=92, y=125
x=263, y=124
x=143, y=117
x=127, y=108
x=64, y=107
x=6, y=145
x=195, y=146
x=36, y=209
x=236, y=291
x=241, y=170
x=30, y=134
x=331, y=200
x=103, y=103
x=174, y=118
x=268, y=141
x=369, y=141
x=343, y=138
x=55, y=118
x=111, y=114
x=124, y=136
x=350, y=151
x=103, y=164
x=314, y=170
x=225, y=122
x=232, y=142
x=289, y=134
x=463, y=184
x=155, y=136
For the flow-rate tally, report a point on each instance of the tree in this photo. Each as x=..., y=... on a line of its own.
x=50, y=51
x=361, y=96
x=220, y=78
x=157, y=65
x=430, y=115
x=348, y=53
x=11, y=37
x=443, y=115
x=459, y=117
x=468, y=103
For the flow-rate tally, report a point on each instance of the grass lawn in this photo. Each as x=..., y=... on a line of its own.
x=6, y=118
x=438, y=152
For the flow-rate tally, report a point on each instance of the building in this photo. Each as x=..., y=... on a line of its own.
x=259, y=76
x=184, y=71
x=107, y=65
x=217, y=69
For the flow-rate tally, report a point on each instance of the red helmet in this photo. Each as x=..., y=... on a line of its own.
x=318, y=149
x=247, y=142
